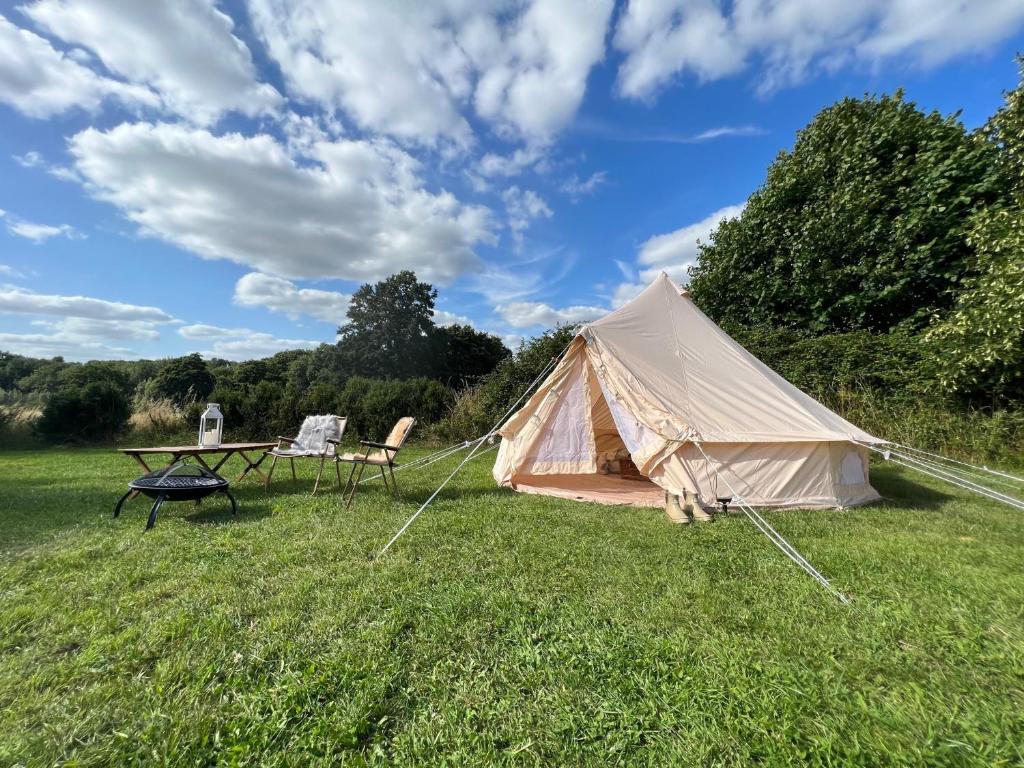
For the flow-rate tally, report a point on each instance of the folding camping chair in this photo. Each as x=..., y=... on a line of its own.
x=318, y=438
x=383, y=456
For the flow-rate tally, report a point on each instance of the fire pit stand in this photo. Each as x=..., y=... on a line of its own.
x=178, y=482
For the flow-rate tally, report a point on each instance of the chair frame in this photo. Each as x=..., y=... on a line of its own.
x=390, y=453
x=322, y=456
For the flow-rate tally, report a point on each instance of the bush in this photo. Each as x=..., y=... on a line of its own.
x=374, y=405
x=97, y=412
x=183, y=380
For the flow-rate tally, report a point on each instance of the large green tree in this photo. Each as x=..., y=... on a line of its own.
x=391, y=334
x=389, y=328
x=863, y=225
x=979, y=346
x=465, y=355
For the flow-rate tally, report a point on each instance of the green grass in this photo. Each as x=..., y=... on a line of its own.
x=501, y=629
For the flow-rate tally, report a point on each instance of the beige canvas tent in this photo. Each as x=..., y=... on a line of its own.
x=659, y=381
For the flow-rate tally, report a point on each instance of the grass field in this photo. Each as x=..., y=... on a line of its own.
x=502, y=629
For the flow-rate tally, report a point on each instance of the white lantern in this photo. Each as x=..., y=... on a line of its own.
x=211, y=426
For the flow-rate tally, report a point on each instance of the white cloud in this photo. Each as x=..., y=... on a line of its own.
x=40, y=81
x=675, y=251
x=727, y=131
x=410, y=69
x=90, y=329
x=29, y=159
x=84, y=326
x=496, y=165
x=39, y=233
x=9, y=271
x=500, y=285
x=443, y=318
x=626, y=291
x=275, y=293
x=69, y=347
x=672, y=253
x=512, y=340
x=241, y=343
x=353, y=210
x=576, y=187
x=790, y=38
x=526, y=314
x=22, y=301
x=523, y=206
x=184, y=50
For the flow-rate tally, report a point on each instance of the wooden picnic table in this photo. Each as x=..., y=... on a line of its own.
x=198, y=451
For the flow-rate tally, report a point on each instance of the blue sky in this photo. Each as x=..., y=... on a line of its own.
x=195, y=176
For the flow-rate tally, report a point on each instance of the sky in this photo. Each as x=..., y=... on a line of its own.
x=219, y=177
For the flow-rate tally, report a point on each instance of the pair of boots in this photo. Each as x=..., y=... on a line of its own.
x=689, y=510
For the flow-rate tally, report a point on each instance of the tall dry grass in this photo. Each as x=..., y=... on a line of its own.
x=156, y=419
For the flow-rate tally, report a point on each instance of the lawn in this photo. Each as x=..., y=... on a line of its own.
x=501, y=629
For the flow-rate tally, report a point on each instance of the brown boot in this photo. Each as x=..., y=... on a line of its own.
x=673, y=510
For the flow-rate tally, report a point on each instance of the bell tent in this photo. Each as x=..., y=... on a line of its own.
x=657, y=386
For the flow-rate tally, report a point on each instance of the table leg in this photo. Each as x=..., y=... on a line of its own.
x=140, y=461
x=199, y=460
x=220, y=463
x=250, y=466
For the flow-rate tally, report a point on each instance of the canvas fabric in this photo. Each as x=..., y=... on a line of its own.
x=656, y=376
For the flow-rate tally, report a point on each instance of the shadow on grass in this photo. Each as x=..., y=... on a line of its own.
x=904, y=489
x=33, y=509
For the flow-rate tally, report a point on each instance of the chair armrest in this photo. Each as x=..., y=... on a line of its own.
x=384, y=446
x=283, y=439
x=332, y=441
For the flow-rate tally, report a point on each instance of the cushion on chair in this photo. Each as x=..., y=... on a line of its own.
x=398, y=434
x=312, y=439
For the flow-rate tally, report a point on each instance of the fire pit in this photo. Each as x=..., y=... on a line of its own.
x=178, y=482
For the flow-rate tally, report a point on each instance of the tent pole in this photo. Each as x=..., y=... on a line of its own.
x=547, y=368
x=774, y=536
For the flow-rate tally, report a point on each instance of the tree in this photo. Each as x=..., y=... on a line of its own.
x=15, y=368
x=183, y=379
x=467, y=354
x=45, y=377
x=863, y=225
x=99, y=411
x=79, y=375
x=979, y=346
x=390, y=329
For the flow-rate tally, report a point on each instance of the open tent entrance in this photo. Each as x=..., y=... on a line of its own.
x=584, y=434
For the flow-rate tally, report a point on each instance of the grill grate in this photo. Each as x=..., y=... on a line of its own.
x=185, y=481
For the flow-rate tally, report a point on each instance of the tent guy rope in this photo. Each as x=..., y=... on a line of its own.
x=957, y=477
x=480, y=441
x=773, y=535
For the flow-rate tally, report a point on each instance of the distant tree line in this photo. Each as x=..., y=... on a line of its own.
x=391, y=359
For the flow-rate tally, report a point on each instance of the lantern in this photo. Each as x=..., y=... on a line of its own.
x=211, y=426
